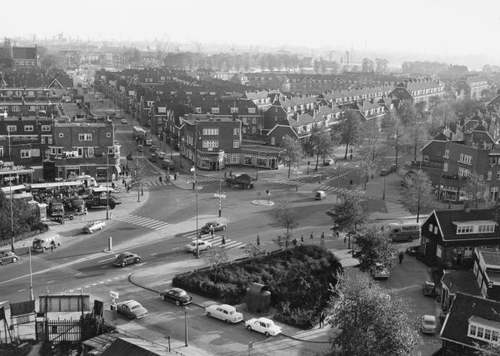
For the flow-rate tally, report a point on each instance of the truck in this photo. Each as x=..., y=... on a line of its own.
x=100, y=201
x=58, y=213
x=41, y=244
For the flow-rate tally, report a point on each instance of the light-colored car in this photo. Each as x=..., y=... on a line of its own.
x=202, y=245
x=132, y=309
x=263, y=325
x=93, y=226
x=379, y=271
x=8, y=257
x=429, y=324
x=224, y=312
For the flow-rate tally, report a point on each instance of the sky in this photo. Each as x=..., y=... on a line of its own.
x=425, y=27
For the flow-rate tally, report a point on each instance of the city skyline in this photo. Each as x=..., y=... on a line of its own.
x=433, y=29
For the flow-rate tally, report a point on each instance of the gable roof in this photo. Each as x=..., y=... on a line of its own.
x=447, y=218
x=401, y=94
x=134, y=346
x=464, y=307
x=286, y=126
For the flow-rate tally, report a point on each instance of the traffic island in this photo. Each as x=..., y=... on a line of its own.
x=263, y=202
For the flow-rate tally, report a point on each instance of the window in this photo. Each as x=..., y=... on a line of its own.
x=498, y=175
x=486, y=228
x=28, y=128
x=446, y=153
x=90, y=152
x=11, y=128
x=234, y=110
x=487, y=334
x=85, y=137
x=494, y=336
x=236, y=144
x=1, y=151
x=111, y=150
x=430, y=227
x=215, y=110
x=25, y=153
x=472, y=330
x=445, y=167
x=435, y=230
x=45, y=128
x=251, y=110
x=210, y=131
x=489, y=175
x=210, y=144
x=236, y=131
x=464, y=229
x=480, y=332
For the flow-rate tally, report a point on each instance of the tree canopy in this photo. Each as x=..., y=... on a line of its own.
x=349, y=213
x=419, y=193
x=366, y=320
x=349, y=130
x=374, y=246
x=26, y=218
x=292, y=152
x=286, y=217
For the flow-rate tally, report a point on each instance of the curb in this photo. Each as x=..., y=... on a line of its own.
x=305, y=340
x=131, y=280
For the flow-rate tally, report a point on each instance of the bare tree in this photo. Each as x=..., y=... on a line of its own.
x=293, y=152
x=217, y=257
x=286, y=217
x=322, y=144
x=350, y=127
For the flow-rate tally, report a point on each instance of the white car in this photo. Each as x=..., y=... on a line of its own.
x=264, y=326
x=224, y=312
x=132, y=309
x=94, y=226
x=202, y=245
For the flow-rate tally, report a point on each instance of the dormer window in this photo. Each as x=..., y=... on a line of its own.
x=484, y=329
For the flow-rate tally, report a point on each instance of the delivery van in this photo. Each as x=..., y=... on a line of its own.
x=41, y=244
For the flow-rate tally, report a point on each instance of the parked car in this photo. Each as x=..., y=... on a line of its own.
x=132, y=309
x=202, y=245
x=429, y=324
x=93, y=226
x=124, y=121
x=205, y=229
x=263, y=325
x=412, y=250
x=7, y=257
x=176, y=295
x=224, y=312
x=127, y=258
x=379, y=271
x=319, y=195
x=429, y=289
x=329, y=162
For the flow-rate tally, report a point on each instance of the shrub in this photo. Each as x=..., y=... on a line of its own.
x=298, y=278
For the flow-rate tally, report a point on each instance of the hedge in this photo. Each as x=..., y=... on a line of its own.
x=299, y=279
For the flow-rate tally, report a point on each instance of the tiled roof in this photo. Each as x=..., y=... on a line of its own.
x=464, y=307
x=446, y=219
x=303, y=119
x=462, y=281
x=401, y=93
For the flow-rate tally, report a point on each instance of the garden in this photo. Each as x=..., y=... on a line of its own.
x=301, y=281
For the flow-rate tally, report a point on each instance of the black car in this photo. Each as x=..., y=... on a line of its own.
x=205, y=229
x=412, y=251
x=177, y=296
x=126, y=258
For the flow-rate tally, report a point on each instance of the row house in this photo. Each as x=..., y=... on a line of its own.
x=260, y=98
x=23, y=140
x=83, y=148
x=471, y=88
x=418, y=91
x=299, y=104
x=355, y=95
x=486, y=269
x=450, y=236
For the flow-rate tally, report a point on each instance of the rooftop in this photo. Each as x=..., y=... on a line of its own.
x=449, y=218
x=461, y=281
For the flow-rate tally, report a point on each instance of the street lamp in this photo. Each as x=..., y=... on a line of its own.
x=32, y=297
x=196, y=187
x=185, y=326
x=383, y=191
x=220, y=198
x=107, y=191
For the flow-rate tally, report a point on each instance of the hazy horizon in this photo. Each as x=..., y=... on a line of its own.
x=430, y=29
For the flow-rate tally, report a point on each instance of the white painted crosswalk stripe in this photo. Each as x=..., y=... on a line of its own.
x=217, y=241
x=149, y=223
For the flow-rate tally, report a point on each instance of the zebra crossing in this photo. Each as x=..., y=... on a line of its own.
x=155, y=185
x=216, y=241
x=340, y=190
x=149, y=223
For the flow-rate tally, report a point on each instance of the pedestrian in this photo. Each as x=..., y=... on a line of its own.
x=401, y=256
x=258, y=240
x=160, y=179
x=123, y=181
x=52, y=245
x=294, y=241
x=175, y=176
x=286, y=243
x=312, y=236
x=323, y=235
x=223, y=240
x=301, y=239
x=337, y=233
x=322, y=318
x=212, y=231
x=345, y=238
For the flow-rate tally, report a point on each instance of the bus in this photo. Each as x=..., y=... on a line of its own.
x=399, y=232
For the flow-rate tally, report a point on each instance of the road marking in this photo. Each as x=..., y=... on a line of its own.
x=93, y=284
x=49, y=282
x=21, y=290
x=153, y=254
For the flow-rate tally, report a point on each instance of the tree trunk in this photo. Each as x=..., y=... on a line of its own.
x=317, y=160
x=289, y=168
x=346, y=150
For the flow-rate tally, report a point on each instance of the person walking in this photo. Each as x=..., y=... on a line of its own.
x=322, y=318
x=223, y=240
x=323, y=235
x=258, y=240
x=302, y=239
x=401, y=256
x=312, y=236
x=212, y=231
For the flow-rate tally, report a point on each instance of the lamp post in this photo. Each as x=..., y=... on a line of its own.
x=31, y=276
x=220, y=198
x=196, y=188
x=107, y=191
x=185, y=327
x=11, y=199
x=383, y=191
